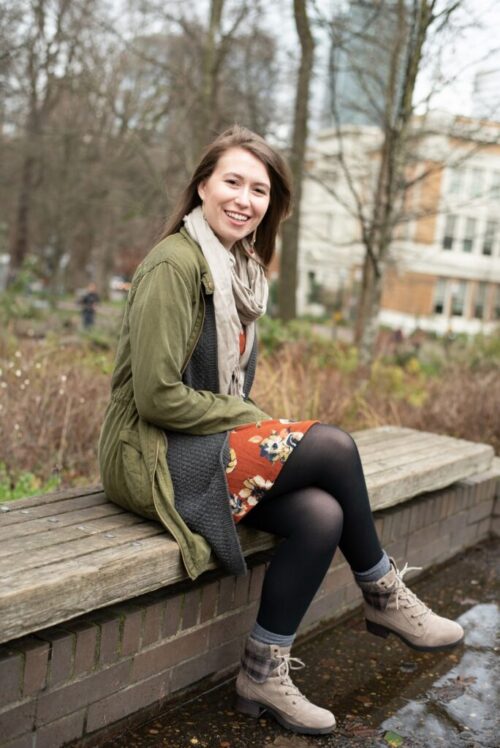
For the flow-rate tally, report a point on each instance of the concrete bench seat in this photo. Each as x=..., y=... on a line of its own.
x=74, y=551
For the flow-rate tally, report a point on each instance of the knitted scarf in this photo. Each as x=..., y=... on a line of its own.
x=240, y=298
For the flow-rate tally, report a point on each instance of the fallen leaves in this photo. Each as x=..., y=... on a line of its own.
x=393, y=739
x=357, y=728
x=284, y=741
x=365, y=700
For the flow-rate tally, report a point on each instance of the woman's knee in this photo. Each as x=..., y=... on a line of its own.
x=334, y=442
x=322, y=516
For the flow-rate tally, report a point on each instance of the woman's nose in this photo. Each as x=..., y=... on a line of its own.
x=243, y=196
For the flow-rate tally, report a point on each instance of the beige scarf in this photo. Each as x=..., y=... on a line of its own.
x=240, y=298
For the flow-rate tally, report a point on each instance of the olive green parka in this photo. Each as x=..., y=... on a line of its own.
x=162, y=323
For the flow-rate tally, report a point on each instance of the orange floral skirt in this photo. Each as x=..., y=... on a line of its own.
x=258, y=451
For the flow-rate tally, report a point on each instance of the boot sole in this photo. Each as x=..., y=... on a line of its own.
x=255, y=709
x=382, y=631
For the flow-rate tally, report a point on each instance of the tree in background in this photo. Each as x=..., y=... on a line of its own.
x=290, y=236
x=101, y=125
x=44, y=56
x=378, y=50
x=221, y=68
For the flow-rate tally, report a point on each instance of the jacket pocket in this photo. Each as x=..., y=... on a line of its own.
x=135, y=474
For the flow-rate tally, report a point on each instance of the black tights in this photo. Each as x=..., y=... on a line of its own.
x=318, y=501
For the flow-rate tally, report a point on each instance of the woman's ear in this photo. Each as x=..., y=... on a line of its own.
x=201, y=190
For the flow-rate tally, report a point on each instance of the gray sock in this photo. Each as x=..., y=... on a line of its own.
x=376, y=572
x=269, y=637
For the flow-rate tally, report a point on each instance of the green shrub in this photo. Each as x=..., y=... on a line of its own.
x=16, y=301
x=407, y=383
x=318, y=350
x=23, y=485
x=273, y=333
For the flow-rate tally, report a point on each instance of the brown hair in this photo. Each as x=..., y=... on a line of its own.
x=279, y=175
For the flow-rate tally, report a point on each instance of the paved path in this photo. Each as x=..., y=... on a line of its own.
x=382, y=693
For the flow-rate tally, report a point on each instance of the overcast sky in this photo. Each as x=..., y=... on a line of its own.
x=475, y=46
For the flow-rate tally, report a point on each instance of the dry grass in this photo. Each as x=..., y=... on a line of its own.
x=53, y=396
x=465, y=404
x=462, y=402
x=52, y=399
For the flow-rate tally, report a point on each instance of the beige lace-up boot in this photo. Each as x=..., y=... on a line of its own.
x=264, y=684
x=391, y=608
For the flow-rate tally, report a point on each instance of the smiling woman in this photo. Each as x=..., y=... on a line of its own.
x=182, y=442
x=236, y=196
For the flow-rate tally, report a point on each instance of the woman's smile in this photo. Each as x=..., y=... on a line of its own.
x=238, y=217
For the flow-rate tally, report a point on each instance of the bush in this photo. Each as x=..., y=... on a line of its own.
x=52, y=401
x=53, y=395
x=25, y=484
x=273, y=333
x=462, y=401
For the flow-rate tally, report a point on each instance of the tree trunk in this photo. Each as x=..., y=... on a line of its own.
x=376, y=248
x=371, y=295
x=412, y=32
x=290, y=238
x=208, y=109
x=20, y=236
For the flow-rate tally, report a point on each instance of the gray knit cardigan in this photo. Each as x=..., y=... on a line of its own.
x=197, y=464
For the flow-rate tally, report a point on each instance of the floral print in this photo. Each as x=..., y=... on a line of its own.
x=254, y=489
x=232, y=461
x=278, y=445
x=257, y=453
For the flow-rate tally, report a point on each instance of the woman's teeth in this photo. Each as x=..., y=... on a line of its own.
x=237, y=216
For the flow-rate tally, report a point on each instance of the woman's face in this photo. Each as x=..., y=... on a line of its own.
x=235, y=196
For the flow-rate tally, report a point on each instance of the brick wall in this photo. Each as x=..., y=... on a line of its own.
x=423, y=199
x=412, y=293
x=74, y=680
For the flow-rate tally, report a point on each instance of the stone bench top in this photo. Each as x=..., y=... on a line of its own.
x=73, y=551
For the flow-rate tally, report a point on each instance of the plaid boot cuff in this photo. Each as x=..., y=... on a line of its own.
x=257, y=660
x=377, y=598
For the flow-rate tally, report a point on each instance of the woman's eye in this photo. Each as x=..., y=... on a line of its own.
x=230, y=181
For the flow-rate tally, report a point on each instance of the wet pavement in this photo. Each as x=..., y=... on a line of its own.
x=382, y=693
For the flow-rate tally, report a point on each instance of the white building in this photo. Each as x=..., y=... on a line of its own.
x=486, y=94
x=444, y=268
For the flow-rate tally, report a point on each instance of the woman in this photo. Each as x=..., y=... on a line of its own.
x=180, y=424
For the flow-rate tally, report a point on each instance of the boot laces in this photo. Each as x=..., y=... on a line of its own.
x=288, y=663
x=407, y=597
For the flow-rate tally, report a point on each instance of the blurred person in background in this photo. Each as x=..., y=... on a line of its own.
x=88, y=303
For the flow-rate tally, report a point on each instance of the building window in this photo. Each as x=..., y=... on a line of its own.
x=496, y=306
x=470, y=230
x=480, y=300
x=495, y=185
x=476, y=182
x=439, y=296
x=456, y=181
x=449, y=232
x=458, y=298
x=489, y=237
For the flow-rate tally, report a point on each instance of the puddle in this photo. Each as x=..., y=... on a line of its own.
x=382, y=693
x=462, y=706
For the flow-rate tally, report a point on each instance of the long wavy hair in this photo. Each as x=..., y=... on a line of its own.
x=279, y=176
